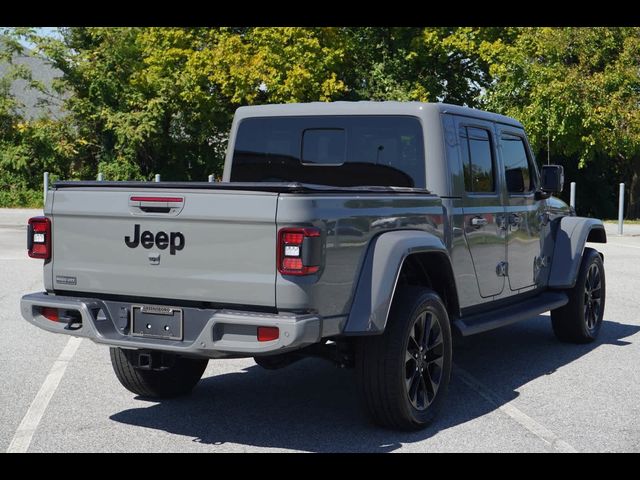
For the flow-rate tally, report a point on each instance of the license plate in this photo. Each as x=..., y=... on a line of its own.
x=156, y=322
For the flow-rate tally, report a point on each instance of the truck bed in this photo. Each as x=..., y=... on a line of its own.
x=225, y=237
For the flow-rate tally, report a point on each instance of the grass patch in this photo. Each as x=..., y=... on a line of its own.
x=627, y=222
x=15, y=198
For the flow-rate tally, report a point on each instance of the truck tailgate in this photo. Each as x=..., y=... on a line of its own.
x=217, y=246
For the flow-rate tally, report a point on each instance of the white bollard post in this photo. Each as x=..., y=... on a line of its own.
x=157, y=177
x=100, y=177
x=46, y=186
x=210, y=178
x=621, y=209
x=572, y=200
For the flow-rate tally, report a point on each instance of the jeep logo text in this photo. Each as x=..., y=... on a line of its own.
x=162, y=240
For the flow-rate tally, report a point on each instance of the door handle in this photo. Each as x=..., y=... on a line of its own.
x=478, y=222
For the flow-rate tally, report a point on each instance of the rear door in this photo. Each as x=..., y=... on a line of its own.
x=211, y=246
x=482, y=204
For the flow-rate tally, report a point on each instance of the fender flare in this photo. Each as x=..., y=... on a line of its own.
x=570, y=239
x=379, y=275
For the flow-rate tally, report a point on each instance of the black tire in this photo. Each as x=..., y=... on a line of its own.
x=580, y=320
x=177, y=377
x=274, y=362
x=385, y=372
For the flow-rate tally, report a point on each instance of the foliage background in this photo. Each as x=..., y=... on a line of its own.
x=140, y=101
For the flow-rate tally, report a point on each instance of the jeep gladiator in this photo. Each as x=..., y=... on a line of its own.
x=366, y=233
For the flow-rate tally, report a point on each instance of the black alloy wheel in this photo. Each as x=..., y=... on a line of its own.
x=424, y=360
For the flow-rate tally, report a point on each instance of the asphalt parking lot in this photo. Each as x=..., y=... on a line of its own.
x=513, y=389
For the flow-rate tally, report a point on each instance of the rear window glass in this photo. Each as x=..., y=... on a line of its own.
x=330, y=150
x=323, y=146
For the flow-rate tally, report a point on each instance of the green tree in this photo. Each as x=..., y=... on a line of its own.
x=160, y=100
x=423, y=64
x=579, y=90
x=27, y=146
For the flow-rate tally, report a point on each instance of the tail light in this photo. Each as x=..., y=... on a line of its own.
x=39, y=238
x=50, y=313
x=267, y=334
x=299, y=251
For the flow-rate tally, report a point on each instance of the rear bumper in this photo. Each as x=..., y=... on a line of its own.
x=207, y=333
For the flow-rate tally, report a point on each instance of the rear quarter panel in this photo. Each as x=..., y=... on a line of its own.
x=349, y=223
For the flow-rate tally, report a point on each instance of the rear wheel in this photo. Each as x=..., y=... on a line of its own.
x=580, y=320
x=156, y=374
x=403, y=374
x=276, y=362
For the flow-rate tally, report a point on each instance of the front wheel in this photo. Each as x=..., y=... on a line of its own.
x=579, y=321
x=403, y=374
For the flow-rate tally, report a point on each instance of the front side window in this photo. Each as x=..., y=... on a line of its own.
x=362, y=150
x=477, y=158
x=517, y=167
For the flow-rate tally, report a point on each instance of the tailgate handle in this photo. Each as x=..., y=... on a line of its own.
x=156, y=204
x=155, y=209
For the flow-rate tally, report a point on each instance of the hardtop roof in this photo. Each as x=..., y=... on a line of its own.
x=369, y=108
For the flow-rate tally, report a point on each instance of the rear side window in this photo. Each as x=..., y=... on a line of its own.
x=331, y=150
x=477, y=158
x=517, y=167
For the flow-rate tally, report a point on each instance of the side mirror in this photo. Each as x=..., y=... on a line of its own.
x=552, y=178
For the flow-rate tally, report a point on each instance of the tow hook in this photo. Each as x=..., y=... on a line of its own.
x=72, y=319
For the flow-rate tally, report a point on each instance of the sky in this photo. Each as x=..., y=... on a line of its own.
x=44, y=31
x=48, y=31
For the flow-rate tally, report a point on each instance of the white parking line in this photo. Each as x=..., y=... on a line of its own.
x=22, y=438
x=540, y=431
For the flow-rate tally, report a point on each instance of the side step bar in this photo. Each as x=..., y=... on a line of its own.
x=499, y=317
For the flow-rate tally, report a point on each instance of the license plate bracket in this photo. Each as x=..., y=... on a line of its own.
x=156, y=321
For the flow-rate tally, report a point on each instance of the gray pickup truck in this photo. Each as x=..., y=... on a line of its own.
x=366, y=233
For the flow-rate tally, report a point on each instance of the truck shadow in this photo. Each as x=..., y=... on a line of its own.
x=313, y=406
